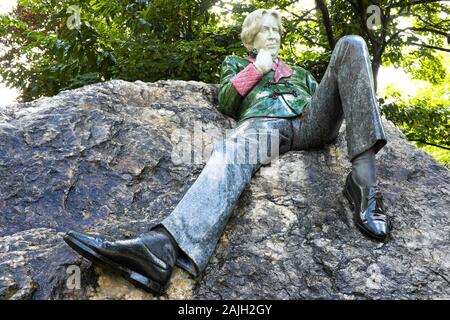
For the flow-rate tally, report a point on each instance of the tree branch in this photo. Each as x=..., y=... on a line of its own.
x=293, y=51
x=395, y=35
x=302, y=17
x=412, y=3
x=284, y=6
x=428, y=24
x=429, y=30
x=429, y=47
x=314, y=42
x=360, y=11
x=429, y=143
x=384, y=20
x=322, y=7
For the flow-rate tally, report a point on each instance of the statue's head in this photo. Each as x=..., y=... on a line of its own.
x=262, y=29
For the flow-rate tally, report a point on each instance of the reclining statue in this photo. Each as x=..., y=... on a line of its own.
x=266, y=96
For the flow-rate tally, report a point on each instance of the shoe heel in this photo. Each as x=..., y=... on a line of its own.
x=146, y=283
x=349, y=198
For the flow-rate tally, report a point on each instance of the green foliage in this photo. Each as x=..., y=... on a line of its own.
x=419, y=122
x=424, y=118
x=424, y=66
x=186, y=39
x=130, y=40
x=45, y=56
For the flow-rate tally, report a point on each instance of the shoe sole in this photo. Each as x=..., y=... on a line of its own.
x=134, y=277
x=355, y=221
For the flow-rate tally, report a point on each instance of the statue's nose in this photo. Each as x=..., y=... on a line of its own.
x=273, y=34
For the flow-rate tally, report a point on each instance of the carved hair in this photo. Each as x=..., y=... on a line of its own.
x=252, y=25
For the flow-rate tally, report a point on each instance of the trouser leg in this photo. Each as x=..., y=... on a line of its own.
x=346, y=91
x=200, y=217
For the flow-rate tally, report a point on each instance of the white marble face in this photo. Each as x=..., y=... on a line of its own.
x=268, y=37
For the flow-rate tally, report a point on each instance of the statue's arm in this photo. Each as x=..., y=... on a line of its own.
x=311, y=82
x=229, y=97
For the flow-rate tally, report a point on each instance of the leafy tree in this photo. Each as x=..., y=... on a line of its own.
x=131, y=40
x=181, y=39
x=320, y=26
x=424, y=118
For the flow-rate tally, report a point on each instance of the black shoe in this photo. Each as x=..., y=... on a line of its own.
x=367, y=204
x=146, y=261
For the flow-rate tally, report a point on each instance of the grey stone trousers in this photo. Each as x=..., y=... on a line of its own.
x=345, y=92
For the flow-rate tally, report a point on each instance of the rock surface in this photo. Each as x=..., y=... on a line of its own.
x=100, y=159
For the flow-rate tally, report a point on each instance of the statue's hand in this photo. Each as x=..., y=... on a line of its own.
x=263, y=61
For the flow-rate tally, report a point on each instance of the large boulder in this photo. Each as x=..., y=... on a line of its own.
x=100, y=159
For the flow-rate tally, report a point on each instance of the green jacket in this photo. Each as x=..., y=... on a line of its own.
x=281, y=93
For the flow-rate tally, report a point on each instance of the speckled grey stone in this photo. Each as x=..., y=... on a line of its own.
x=99, y=159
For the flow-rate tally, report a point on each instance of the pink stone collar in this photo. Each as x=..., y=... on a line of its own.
x=282, y=70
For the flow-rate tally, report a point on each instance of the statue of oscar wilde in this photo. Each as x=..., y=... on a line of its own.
x=265, y=94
